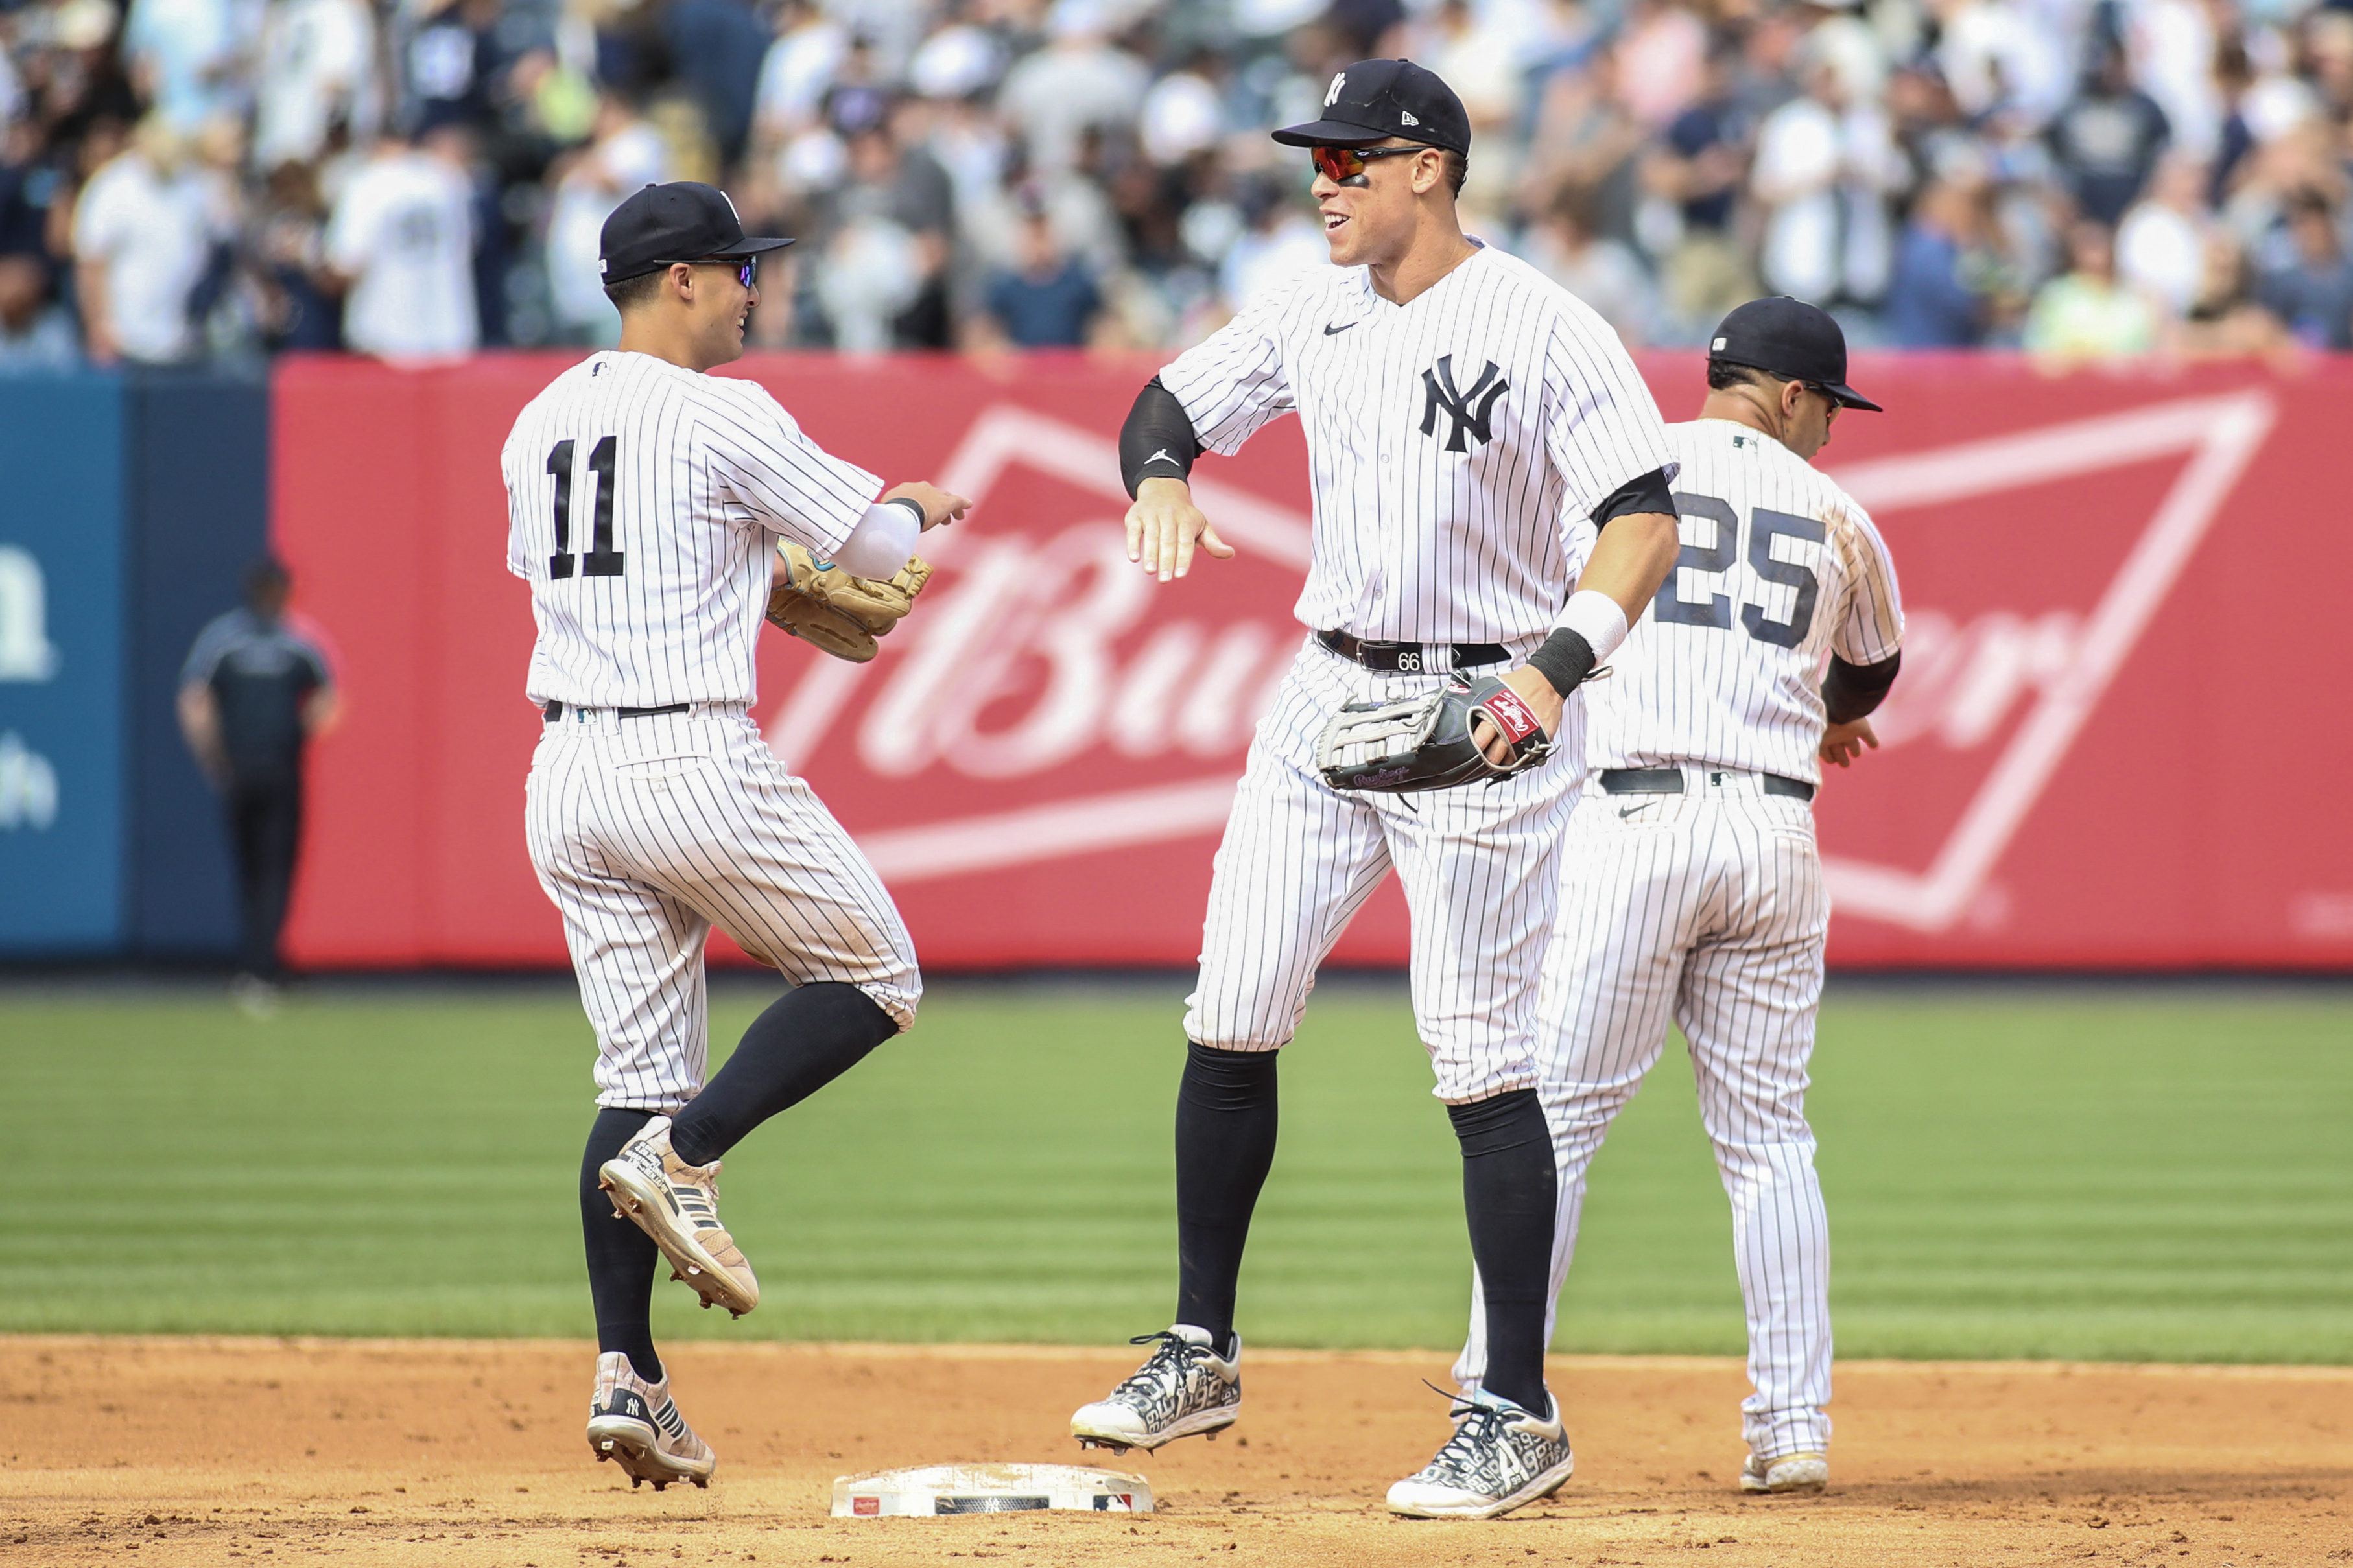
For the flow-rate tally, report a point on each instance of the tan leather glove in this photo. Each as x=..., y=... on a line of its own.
x=822, y=603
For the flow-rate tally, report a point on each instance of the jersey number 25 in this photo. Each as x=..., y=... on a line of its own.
x=1765, y=526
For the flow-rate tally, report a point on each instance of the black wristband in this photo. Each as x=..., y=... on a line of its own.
x=1563, y=658
x=1851, y=691
x=1644, y=492
x=1157, y=441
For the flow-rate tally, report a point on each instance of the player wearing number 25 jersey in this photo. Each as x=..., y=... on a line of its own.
x=1698, y=894
x=645, y=500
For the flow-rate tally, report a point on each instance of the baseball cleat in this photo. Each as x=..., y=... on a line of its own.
x=635, y=1424
x=1184, y=1389
x=1500, y=1458
x=1790, y=1473
x=678, y=1206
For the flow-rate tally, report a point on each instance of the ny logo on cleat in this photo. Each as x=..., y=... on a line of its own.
x=1469, y=410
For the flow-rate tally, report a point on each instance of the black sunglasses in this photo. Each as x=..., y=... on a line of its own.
x=1341, y=164
x=747, y=268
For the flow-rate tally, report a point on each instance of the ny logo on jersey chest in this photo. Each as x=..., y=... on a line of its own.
x=1470, y=410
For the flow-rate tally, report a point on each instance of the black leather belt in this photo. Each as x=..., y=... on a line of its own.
x=555, y=711
x=1408, y=658
x=1669, y=781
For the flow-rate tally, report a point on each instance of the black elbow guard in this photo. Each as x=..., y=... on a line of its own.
x=1157, y=441
x=1852, y=690
x=1644, y=492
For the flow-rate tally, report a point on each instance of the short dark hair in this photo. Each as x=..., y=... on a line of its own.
x=1458, y=169
x=631, y=292
x=265, y=579
x=1722, y=375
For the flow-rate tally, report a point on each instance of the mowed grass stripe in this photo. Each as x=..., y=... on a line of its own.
x=2123, y=1174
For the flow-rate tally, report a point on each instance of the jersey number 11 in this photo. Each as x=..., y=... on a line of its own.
x=603, y=559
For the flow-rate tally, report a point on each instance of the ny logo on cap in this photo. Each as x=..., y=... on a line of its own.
x=1331, y=93
x=1470, y=410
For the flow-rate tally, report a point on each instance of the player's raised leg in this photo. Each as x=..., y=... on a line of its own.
x=1296, y=862
x=1748, y=1006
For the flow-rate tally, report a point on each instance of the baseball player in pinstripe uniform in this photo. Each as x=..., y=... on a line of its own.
x=644, y=500
x=1696, y=894
x=1480, y=446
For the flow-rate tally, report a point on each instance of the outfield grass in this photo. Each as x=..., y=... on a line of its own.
x=2111, y=1174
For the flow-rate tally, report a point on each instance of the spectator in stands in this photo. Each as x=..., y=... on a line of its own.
x=143, y=232
x=254, y=691
x=1699, y=164
x=36, y=332
x=453, y=65
x=401, y=242
x=1826, y=164
x=316, y=75
x=1603, y=272
x=1944, y=271
x=1048, y=301
x=185, y=58
x=1080, y=80
x=2109, y=140
x=717, y=47
x=2086, y=314
x=2161, y=244
x=2311, y=292
x=625, y=153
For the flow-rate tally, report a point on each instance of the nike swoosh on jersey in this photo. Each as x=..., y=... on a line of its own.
x=1626, y=811
x=1341, y=328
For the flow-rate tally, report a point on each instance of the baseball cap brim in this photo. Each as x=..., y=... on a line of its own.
x=748, y=245
x=1331, y=134
x=1848, y=396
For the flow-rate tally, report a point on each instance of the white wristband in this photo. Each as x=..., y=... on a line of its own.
x=1595, y=617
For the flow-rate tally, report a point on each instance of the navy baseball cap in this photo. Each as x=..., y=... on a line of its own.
x=1373, y=100
x=683, y=221
x=1792, y=340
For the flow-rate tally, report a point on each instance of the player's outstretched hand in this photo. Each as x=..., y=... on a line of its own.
x=1163, y=527
x=1841, y=743
x=939, y=506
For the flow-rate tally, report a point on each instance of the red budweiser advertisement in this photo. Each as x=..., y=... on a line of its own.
x=2117, y=740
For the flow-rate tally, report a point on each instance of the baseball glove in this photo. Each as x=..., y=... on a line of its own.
x=1424, y=742
x=843, y=614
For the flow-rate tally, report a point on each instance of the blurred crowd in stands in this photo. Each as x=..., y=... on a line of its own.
x=189, y=180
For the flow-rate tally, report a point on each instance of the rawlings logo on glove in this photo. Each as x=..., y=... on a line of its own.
x=1425, y=742
x=821, y=603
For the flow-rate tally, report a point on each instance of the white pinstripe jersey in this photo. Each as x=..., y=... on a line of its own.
x=1456, y=444
x=1778, y=568
x=640, y=501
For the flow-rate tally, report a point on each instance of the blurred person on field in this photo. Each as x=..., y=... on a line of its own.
x=254, y=691
x=1048, y=301
x=1826, y=165
x=624, y=155
x=2161, y=244
x=143, y=233
x=2107, y=141
x=2312, y=293
x=37, y=333
x=2085, y=313
x=1602, y=272
x=317, y=70
x=401, y=241
x=1080, y=80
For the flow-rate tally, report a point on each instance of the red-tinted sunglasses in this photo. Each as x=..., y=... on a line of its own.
x=1341, y=164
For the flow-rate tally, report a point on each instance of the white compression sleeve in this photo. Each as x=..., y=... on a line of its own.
x=1596, y=618
x=881, y=541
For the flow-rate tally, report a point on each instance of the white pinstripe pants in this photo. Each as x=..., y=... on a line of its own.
x=1299, y=858
x=646, y=831
x=1706, y=907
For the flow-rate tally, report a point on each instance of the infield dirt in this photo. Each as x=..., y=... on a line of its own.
x=422, y=1452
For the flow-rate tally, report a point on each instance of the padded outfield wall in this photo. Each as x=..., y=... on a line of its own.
x=2116, y=743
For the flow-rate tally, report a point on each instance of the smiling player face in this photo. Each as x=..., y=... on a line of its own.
x=1368, y=199
x=719, y=307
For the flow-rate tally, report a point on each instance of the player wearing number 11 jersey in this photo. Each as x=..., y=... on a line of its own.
x=645, y=499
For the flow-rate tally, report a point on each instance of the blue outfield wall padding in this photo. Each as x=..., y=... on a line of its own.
x=61, y=665
x=197, y=502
